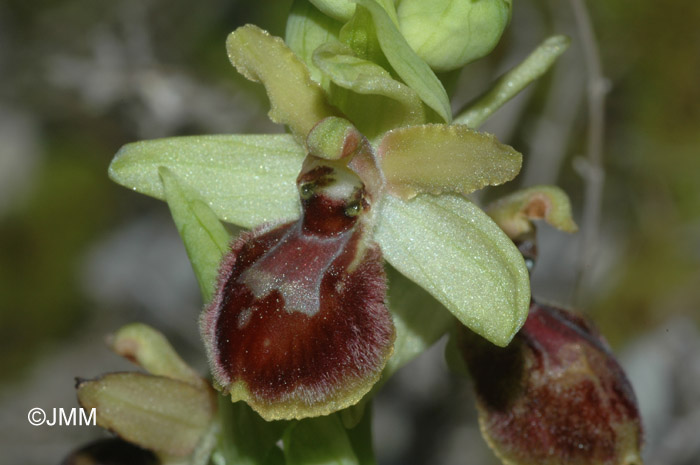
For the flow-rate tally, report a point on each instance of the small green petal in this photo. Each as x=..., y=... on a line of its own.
x=205, y=238
x=150, y=350
x=157, y=413
x=342, y=10
x=246, y=180
x=318, y=441
x=401, y=107
x=514, y=213
x=307, y=29
x=453, y=250
x=438, y=158
x=296, y=100
x=412, y=70
x=515, y=80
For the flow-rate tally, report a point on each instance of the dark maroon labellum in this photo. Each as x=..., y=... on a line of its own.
x=298, y=326
x=556, y=395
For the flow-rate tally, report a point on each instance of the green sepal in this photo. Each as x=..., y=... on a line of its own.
x=410, y=68
x=296, y=100
x=245, y=179
x=453, y=250
x=205, y=238
x=154, y=412
x=318, y=441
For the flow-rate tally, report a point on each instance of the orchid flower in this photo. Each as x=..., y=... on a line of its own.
x=370, y=130
x=363, y=246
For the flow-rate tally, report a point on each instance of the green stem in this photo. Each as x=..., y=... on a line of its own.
x=511, y=83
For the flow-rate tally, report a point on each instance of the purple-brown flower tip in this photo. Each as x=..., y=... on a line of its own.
x=555, y=395
x=298, y=326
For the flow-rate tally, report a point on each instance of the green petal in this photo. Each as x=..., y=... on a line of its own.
x=515, y=80
x=456, y=252
x=374, y=115
x=157, y=413
x=205, y=238
x=438, y=158
x=307, y=29
x=246, y=180
x=514, y=213
x=318, y=441
x=296, y=100
x=412, y=70
x=150, y=350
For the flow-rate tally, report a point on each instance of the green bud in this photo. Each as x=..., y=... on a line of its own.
x=342, y=10
x=448, y=34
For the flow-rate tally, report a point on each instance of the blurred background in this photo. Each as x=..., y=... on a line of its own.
x=81, y=256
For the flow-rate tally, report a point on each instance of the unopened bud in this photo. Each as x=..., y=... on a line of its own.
x=555, y=395
x=448, y=34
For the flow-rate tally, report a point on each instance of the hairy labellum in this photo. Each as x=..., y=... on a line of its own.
x=556, y=395
x=298, y=326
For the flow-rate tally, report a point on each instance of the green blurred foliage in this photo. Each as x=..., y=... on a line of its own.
x=652, y=58
x=43, y=244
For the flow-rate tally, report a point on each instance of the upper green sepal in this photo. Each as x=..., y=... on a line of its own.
x=452, y=249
